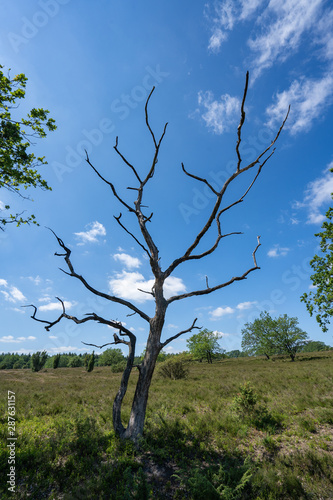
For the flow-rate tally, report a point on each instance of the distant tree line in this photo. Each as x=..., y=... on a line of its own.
x=116, y=360
x=110, y=357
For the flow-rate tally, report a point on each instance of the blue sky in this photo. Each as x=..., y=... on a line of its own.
x=93, y=64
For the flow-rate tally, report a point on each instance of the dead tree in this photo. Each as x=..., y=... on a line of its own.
x=135, y=425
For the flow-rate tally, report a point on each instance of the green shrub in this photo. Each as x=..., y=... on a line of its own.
x=173, y=370
x=245, y=401
x=89, y=362
x=75, y=362
x=56, y=361
x=38, y=360
x=118, y=367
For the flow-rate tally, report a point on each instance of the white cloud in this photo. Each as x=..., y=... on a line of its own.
x=226, y=14
x=56, y=306
x=37, y=280
x=317, y=194
x=16, y=294
x=245, y=305
x=219, y=115
x=278, y=251
x=221, y=311
x=13, y=294
x=8, y=338
x=127, y=260
x=64, y=349
x=16, y=309
x=46, y=298
x=12, y=340
x=308, y=99
x=91, y=235
x=220, y=335
x=284, y=24
x=52, y=337
x=280, y=28
x=126, y=284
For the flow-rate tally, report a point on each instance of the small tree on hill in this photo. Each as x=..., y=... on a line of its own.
x=204, y=345
x=90, y=363
x=257, y=336
x=38, y=360
x=315, y=346
x=199, y=248
x=288, y=337
x=56, y=361
x=273, y=336
x=111, y=357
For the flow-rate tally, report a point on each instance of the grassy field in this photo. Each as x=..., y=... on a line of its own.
x=241, y=428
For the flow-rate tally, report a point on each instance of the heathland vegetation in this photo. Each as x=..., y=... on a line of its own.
x=239, y=428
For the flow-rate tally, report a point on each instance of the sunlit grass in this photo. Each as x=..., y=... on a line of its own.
x=193, y=438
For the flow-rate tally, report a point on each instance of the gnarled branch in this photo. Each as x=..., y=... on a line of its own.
x=181, y=333
x=106, y=296
x=208, y=290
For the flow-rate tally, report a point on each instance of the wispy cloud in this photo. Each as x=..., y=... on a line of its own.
x=12, y=293
x=127, y=284
x=56, y=306
x=128, y=261
x=12, y=340
x=278, y=251
x=37, y=280
x=92, y=234
x=246, y=305
x=308, y=100
x=64, y=349
x=221, y=311
x=284, y=24
x=220, y=114
x=225, y=15
x=317, y=194
x=220, y=335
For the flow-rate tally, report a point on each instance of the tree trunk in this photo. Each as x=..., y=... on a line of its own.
x=136, y=421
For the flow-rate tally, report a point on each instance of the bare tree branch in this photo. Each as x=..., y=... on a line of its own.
x=125, y=161
x=242, y=120
x=218, y=287
x=89, y=317
x=131, y=234
x=106, y=296
x=147, y=119
x=200, y=179
x=109, y=184
x=181, y=333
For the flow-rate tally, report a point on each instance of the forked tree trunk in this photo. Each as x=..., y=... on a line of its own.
x=136, y=421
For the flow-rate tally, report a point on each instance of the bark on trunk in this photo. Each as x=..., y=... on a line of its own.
x=136, y=421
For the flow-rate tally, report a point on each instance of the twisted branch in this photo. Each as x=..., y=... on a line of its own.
x=181, y=333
